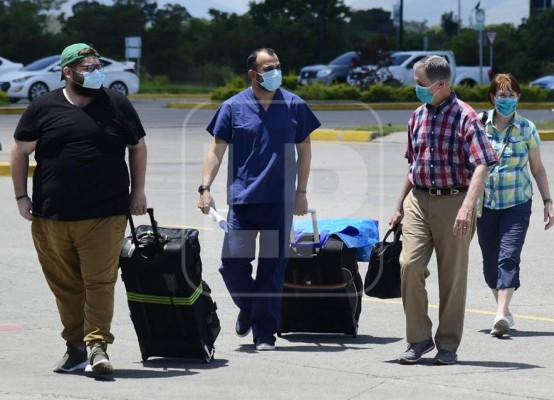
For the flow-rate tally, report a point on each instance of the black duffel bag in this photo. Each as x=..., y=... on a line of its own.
x=383, y=274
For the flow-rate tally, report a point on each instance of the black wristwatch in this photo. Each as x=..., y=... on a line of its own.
x=203, y=188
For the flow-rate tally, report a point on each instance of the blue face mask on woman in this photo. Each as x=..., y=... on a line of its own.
x=424, y=93
x=506, y=106
x=272, y=79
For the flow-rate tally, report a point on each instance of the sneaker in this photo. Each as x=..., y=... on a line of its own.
x=500, y=326
x=244, y=323
x=265, y=346
x=74, y=359
x=510, y=319
x=99, y=361
x=445, y=357
x=415, y=350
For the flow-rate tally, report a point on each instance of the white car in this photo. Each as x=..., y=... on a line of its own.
x=8, y=66
x=44, y=75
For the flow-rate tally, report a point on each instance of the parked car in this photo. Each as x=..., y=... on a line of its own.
x=44, y=75
x=402, y=63
x=545, y=82
x=8, y=66
x=335, y=71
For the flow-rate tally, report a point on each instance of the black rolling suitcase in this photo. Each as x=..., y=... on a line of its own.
x=323, y=288
x=171, y=307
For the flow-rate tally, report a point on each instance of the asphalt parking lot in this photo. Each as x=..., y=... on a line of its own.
x=358, y=180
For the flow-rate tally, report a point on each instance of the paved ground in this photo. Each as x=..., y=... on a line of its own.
x=348, y=180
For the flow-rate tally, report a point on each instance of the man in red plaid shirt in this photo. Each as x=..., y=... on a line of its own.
x=448, y=152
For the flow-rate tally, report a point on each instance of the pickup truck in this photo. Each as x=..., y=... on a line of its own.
x=402, y=63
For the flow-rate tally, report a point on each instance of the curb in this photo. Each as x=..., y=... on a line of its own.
x=349, y=105
x=343, y=135
x=5, y=169
x=12, y=110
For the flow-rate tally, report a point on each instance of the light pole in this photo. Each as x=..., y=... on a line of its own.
x=459, y=16
x=480, y=26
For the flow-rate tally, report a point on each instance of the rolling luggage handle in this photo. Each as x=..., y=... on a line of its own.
x=157, y=237
x=316, y=243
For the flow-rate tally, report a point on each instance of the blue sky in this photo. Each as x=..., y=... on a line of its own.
x=496, y=11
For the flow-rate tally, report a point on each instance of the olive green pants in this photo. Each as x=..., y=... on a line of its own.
x=427, y=227
x=80, y=261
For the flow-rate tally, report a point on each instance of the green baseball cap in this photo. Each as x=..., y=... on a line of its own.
x=72, y=54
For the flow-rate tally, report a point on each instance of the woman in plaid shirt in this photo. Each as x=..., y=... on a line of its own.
x=508, y=192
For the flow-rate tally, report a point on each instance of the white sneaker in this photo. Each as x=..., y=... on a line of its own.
x=500, y=326
x=265, y=347
x=510, y=319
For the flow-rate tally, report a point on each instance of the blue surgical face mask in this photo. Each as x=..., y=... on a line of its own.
x=506, y=106
x=272, y=79
x=424, y=93
x=92, y=80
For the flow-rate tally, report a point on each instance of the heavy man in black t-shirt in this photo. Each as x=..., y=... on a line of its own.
x=81, y=198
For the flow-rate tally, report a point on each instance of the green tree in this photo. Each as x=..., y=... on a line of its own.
x=167, y=49
x=105, y=27
x=24, y=26
x=537, y=41
x=315, y=27
x=448, y=24
x=367, y=26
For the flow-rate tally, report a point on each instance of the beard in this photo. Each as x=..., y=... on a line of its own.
x=76, y=83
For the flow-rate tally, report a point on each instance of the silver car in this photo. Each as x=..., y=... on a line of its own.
x=8, y=66
x=44, y=75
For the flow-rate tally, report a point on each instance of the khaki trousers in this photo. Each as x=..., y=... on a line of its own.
x=80, y=261
x=427, y=226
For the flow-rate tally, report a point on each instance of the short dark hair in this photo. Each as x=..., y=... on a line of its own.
x=251, y=60
x=501, y=81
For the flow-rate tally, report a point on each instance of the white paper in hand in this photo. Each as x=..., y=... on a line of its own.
x=217, y=217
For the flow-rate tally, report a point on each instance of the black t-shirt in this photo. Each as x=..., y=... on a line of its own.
x=81, y=171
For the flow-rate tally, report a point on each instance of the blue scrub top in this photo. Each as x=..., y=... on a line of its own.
x=262, y=163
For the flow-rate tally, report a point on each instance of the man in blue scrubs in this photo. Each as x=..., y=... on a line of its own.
x=263, y=126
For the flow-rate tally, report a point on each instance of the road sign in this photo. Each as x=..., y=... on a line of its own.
x=480, y=19
x=491, y=36
x=133, y=46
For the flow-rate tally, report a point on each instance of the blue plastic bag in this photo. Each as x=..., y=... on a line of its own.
x=361, y=234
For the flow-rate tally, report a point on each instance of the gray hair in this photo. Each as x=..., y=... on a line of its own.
x=435, y=68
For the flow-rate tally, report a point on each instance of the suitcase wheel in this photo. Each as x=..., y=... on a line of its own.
x=143, y=352
x=208, y=355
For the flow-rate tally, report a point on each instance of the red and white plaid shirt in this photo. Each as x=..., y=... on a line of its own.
x=445, y=144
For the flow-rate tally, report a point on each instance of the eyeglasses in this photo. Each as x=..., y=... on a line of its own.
x=92, y=67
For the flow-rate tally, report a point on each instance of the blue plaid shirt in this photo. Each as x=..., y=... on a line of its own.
x=509, y=182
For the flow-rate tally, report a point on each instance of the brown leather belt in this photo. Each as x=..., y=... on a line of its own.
x=443, y=191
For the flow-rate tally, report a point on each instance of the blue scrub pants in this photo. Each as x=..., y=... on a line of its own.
x=501, y=237
x=261, y=295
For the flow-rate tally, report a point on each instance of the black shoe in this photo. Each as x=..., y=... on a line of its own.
x=74, y=359
x=244, y=323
